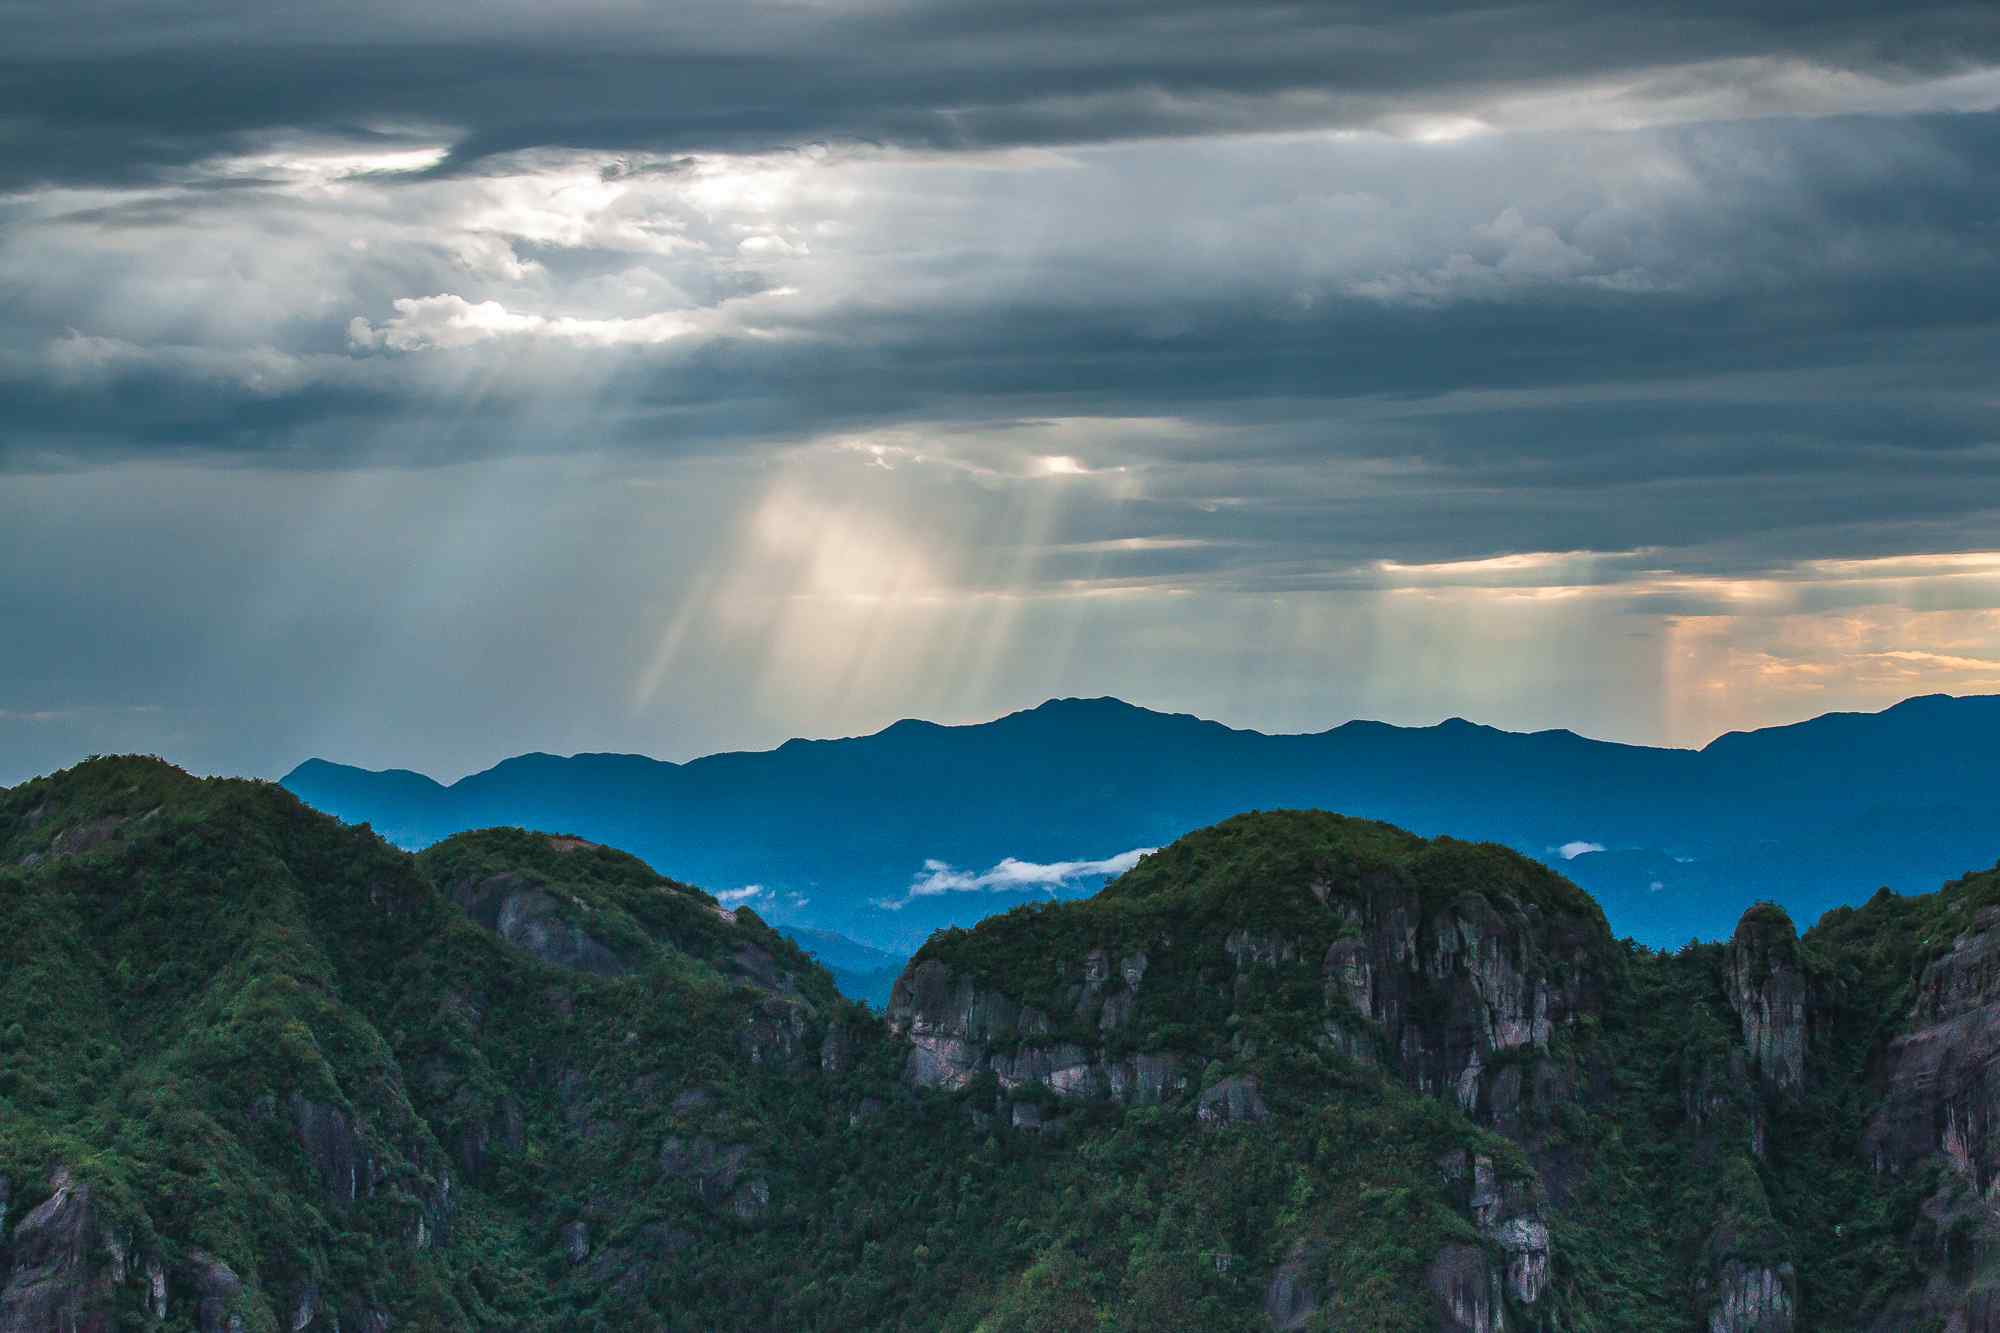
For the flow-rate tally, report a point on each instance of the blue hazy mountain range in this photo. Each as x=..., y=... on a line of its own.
x=883, y=838
x=860, y=972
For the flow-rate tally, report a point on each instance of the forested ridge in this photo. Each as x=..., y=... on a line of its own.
x=260, y=1070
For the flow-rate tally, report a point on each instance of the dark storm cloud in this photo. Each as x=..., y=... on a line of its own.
x=1788, y=358
x=372, y=371
x=1796, y=247
x=100, y=91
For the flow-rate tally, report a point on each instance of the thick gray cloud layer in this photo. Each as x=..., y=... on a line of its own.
x=98, y=90
x=419, y=384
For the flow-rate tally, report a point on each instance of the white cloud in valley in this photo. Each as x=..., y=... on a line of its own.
x=1013, y=875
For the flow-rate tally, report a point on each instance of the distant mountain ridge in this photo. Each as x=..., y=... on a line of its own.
x=829, y=832
x=860, y=972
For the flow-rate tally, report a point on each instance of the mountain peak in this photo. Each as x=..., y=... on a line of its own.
x=1109, y=709
x=1102, y=704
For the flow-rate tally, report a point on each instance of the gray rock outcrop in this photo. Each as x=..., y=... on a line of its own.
x=519, y=909
x=1292, y=1296
x=1753, y=1298
x=1233, y=1101
x=716, y=1172
x=1468, y=1290
x=217, y=1289
x=1941, y=1103
x=65, y=1265
x=1767, y=988
x=1503, y=977
x=328, y=1137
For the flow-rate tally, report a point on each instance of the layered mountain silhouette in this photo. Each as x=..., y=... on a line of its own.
x=835, y=834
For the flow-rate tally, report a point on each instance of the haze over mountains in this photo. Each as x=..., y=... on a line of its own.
x=884, y=838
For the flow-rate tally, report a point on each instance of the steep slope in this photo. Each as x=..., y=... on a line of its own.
x=259, y=1070
x=1295, y=972
x=1768, y=1135
x=263, y=1071
x=1812, y=816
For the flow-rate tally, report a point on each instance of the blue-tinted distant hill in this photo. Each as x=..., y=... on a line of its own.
x=860, y=972
x=831, y=832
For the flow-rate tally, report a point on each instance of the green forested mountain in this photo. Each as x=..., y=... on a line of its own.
x=260, y=1071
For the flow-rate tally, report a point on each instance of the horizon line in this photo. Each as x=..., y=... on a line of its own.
x=1128, y=704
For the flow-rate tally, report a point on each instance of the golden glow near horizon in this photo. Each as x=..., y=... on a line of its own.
x=847, y=594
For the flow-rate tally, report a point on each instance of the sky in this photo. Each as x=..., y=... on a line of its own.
x=418, y=385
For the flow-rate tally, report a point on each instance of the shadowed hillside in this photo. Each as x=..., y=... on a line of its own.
x=259, y=1070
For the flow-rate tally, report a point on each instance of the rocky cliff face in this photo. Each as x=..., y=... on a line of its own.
x=64, y=1265
x=1768, y=989
x=1752, y=1299
x=1500, y=1008
x=518, y=908
x=1445, y=994
x=1926, y=1039
x=1941, y=1105
x=1455, y=990
x=958, y=1029
x=1943, y=1080
x=67, y=1271
x=1467, y=1290
x=1510, y=1215
x=72, y=1274
x=1458, y=997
